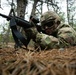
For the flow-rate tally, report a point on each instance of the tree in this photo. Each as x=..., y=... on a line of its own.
x=5, y=34
x=21, y=7
x=71, y=11
x=34, y=7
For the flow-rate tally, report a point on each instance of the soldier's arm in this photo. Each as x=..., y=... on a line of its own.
x=42, y=40
x=46, y=41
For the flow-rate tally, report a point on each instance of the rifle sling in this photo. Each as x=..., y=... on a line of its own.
x=18, y=37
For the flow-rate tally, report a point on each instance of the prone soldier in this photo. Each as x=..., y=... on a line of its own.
x=56, y=34
x=51, y=34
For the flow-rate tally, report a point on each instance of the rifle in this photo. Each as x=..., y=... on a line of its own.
x=20, y=22
x=17, y=21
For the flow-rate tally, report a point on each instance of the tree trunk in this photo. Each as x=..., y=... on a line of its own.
x=68, y=11
x=21, y=7
x=34, y=7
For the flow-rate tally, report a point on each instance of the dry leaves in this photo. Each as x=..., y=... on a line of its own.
x=47, y=62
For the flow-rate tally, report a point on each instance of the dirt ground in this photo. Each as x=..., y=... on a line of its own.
x=48, y=62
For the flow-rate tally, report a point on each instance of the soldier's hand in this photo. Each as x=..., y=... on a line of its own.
x=31, y=33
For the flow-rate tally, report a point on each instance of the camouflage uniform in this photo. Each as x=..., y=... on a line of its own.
x=63, y=36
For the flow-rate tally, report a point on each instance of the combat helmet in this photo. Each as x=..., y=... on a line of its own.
x=49, y=16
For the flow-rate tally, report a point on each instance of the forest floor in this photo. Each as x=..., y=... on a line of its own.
x=46, y=62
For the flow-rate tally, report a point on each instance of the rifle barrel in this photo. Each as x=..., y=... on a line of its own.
x=5, y=16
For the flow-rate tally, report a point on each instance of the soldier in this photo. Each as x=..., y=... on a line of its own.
x=56, y=35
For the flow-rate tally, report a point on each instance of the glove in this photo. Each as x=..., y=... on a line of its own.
x=31, y=33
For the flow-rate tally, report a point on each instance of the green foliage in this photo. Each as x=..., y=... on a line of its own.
x=10, y=38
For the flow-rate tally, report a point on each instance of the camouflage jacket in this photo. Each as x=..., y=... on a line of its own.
x=64, y=36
